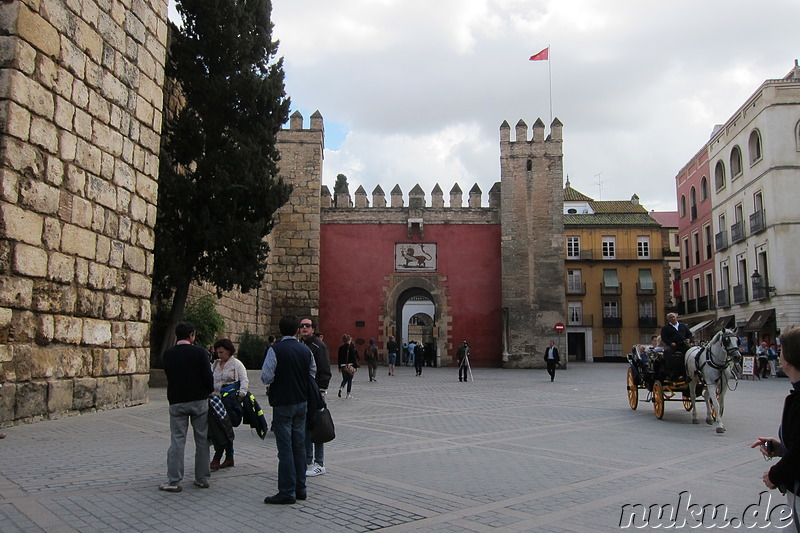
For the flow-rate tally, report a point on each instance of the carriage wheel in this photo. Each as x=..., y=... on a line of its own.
x=633, y=390
x=658, y=399
x=687, y=402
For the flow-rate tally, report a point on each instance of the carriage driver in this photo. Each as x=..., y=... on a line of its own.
x=677, y=338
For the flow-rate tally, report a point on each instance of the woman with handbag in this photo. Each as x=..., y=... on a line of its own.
x=230, y=377
x=348, y=363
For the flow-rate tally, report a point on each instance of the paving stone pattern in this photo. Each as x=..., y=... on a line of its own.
x=509, y=452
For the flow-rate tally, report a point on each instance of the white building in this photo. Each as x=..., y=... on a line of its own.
x=754, y=161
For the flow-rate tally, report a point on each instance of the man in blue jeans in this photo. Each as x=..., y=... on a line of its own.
x=189, y=382
x=286, y=370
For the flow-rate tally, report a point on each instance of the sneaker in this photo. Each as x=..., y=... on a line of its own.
x=315, y=470
x=349, y=395
x=168, y=487
x=201, y=484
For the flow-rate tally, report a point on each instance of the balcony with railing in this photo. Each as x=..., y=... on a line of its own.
x=737, y=232
x=723, y=299
x=650, y=289
x=740, y=294
x=576, y=287
x=721, y=240
x=758, y=223
x=691, y=306
x=648, y=322
x=623, y=254
x=612, y=321
x=610, y=289
x=583, y=320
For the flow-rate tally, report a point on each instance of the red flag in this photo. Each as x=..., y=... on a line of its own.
x=541, y=56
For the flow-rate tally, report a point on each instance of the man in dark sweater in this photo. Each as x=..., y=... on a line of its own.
x=315, y=453
x=189, y=382
x=286, y=369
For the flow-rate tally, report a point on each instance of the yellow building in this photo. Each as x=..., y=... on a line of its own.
x=616, y=278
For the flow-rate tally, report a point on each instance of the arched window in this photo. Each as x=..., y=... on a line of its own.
x=692, y=204
x=683, y=206
x=736, y=162
x=703, y=189
x=755, y=146
x=529, y=166
x=719, y=175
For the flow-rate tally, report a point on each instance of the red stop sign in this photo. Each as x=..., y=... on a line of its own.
x=559, y=327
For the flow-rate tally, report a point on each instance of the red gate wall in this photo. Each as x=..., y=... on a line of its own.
x=356, y=259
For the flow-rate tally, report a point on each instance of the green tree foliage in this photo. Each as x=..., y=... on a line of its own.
x=340, y=186
x=208, y=323
x=252, y=350
x=218, y=186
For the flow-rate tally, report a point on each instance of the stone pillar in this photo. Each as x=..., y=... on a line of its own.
x=532, y=245
x=80, y=124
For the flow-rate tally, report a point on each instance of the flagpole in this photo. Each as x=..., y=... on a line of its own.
x=550, y=81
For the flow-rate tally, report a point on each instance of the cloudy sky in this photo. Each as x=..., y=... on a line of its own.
x=414, y=91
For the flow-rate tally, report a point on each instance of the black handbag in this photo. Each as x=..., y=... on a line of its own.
x=323, y=429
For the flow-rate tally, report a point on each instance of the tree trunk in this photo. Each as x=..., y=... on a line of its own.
x=175, y=316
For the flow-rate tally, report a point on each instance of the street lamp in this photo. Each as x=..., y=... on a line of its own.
x=758, y=283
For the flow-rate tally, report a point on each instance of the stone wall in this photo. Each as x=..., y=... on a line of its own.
x=80, y=120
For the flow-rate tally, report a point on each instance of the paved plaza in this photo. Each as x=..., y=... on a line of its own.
x=510, y=452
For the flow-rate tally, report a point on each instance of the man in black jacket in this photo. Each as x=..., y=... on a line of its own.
x=552, y=359
x=315, y=453
x=677, y=338
x=286, y=369
x=189, y=382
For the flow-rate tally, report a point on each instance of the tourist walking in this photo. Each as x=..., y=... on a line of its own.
x=348, y=364
x=371, y=357
x=391, y=348
x=551, y=359
x=419, y=358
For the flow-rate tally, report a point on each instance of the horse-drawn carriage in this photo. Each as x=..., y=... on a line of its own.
x=702, y=367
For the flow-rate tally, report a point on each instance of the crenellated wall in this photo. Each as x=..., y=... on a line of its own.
x=80, y=120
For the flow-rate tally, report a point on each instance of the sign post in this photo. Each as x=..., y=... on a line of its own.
x=559, y=328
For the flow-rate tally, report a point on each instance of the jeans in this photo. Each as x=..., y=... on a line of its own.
x=289, y=426
x=347, y=379
x=179, y=416
x=315, y=453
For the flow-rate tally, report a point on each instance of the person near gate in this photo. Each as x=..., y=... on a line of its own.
x=462, y=355
x=287, y=367
x=391, y=348
x=419, y=357
x=677, y=338
x=785, y=474
x=189, y=383
x=371, y=357
x=552, y=359
x=348, y=360
x=315, y=453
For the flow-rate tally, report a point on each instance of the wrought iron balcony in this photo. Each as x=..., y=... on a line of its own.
x=757, y=223
x=740, y=294
x=610, y=289
x=721, y=240
x=584, y=320
x=737, y=232
x=648, y=322
x=612, y=322
x=723, y=300
x=576, y=288
x=650, y=290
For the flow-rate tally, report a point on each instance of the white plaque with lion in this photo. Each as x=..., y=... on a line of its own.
x=415, y=257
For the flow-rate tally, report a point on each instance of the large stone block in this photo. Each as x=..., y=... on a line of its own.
x=84, y=390
x=23, y=324
x=78, y=241
x=68, y=329
x=139, y=388
x=37, y=31
x=127, y=361
x=31, y=399
x=60, y=268
x=29, y=261
x=59, y=395
x=96, y=332
x=7, y=401
x=72, y=362
x=138, y=285
x=45, y=329
x=21, y=225
x=45, y=361
x=108, y=392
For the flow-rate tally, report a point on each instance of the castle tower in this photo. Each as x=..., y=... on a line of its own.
x=294, y=258
x=532, y=244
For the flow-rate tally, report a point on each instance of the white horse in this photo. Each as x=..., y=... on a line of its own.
x=710, y=365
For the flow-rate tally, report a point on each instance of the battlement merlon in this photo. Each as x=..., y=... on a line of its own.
x=296, y=134
x=521, y=132
x=416, y=198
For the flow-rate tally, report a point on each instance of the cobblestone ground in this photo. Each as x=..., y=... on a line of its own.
x=509, y=451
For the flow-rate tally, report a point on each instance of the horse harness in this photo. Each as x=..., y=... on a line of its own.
x=709, y=360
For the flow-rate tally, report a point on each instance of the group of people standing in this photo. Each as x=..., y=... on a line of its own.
x=193, y=384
